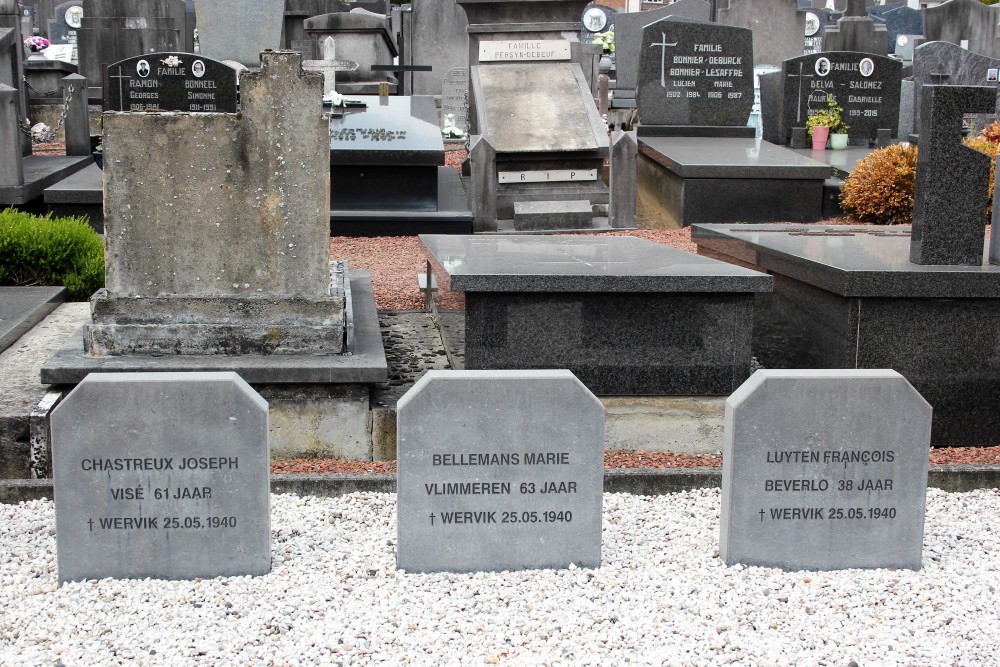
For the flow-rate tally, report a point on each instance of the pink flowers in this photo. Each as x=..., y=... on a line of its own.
x=36, y=43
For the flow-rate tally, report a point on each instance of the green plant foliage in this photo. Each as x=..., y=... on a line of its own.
x=989, y=2
x=830, y=117
x=50, y=251
x=880, y=189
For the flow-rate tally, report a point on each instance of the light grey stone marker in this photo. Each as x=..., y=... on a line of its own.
x=825, y=470
x=161, y=475
x=499, y=470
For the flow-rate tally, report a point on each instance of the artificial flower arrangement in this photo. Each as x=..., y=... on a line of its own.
x=36, y=43
x=606, y=40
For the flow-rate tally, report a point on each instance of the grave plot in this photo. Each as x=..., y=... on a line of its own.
x=921, y=300
x=698, y=160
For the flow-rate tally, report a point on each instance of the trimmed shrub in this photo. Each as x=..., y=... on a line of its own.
x=983, y=144
x=880, y=189
x=50, y=251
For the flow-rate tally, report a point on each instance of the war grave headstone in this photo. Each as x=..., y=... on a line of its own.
x=171, y=82
x=365, y=38
x=777, y=27
x=961, y=21
x=387, y=174
x=825, y=470
x=625, y=315
x=628, y=35
x=856, y=31
x=259, y=24
x=699, y=161
x=945, y=63
x=256, y=293
x=440, y=38
x=865, y=85
x=113, y=30
x=161, y=475
x=499, y=471
x=891, y=296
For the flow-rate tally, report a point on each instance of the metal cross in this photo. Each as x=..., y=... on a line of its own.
x=663, y=57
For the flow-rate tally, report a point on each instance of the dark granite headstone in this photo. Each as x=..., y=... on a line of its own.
x=695, y=73
x=949, y=64
x=867, y=86
x=171, y=82
x=901, y=21
x=69, y=17
x=817, y=21
x=593, y=23
x=628, y=35
x=949, y=207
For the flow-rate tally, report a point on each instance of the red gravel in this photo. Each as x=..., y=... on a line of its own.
x=640, y=459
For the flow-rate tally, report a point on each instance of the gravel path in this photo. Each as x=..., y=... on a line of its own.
x=661, y=597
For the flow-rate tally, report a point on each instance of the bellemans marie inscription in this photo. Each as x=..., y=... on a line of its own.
x=171, y=82
x=499, y=470
x=161, y=475
x=825, y=470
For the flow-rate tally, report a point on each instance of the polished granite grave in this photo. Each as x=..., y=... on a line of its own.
x=81, y=194
x=848, y=297
x=625, y=315
x=41, y=171
x=716, y=179
x=386, y=173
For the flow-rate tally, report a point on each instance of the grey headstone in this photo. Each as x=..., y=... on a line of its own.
x=949, y=64
x=161, y=475
x=259, y=24
x=956, y=21
x=902, y=21
x=870, y=102
x=949, y=204
x=628, y=35
x=695, y=73
x=856, y=33
x=777, y=26
x=499, y=470
x=440, y=38
x=824, y=470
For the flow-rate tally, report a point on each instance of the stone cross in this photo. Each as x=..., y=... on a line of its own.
x=327, y=65
x=663, y=57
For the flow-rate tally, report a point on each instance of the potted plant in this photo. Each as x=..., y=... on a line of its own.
x=822, y=121
x=607, y=42
x=34, y=45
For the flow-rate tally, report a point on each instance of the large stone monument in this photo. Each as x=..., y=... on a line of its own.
x=217, y=232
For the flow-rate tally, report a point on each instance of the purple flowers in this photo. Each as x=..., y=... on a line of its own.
x=36, y=43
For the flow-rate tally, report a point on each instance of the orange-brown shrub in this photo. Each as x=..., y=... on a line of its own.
x=880, y=189
x=984, y=145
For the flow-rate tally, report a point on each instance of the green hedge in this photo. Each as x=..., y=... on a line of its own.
x=50, y=251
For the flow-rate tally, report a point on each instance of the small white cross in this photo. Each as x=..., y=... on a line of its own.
x=663, y=57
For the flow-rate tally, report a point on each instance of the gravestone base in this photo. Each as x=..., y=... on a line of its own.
x=695, y=180
x=81, y=194
x=626, y=316
x=552, y=215
x=732, y=132
x=849, y=298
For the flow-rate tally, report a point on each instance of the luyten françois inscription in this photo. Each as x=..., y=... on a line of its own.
x=695, y=73
x=161, y=475
x=866, y=86
x=825, y=470
x=171, y=82
x=499, y=470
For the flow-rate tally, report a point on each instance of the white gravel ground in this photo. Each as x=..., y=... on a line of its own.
x=661, y=597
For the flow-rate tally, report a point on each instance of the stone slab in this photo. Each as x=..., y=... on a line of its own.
x=391, y=132
x=161, y=475
x=707, y=157
x=537, y=107
x=628, y=35
x=489, y=481
x=21, y=308
x=365, y=364
x=40, y=172
x=552, y=215
x=86, y=186
x=842, y=161
x=582, y=264
x=865, y=261
x=825, y=470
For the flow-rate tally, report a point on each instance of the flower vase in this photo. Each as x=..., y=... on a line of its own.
x=838, y=141
x=605, y=65
x=820, y=135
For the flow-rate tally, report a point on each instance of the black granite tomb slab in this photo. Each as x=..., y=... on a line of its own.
x=171, y=82
x=695, y=73
x=867, y=86
x=627, y=316
x=847, y=297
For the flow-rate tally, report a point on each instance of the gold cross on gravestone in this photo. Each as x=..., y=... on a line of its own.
x=663, y=57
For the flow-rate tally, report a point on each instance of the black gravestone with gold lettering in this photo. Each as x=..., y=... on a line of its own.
x=171, y=82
